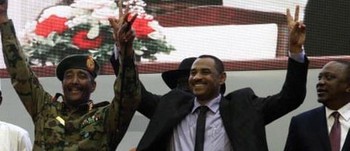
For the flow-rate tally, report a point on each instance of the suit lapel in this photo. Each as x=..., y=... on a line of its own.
x=244, y=125
x=239, y=123
x=236, y=127
x=172, y=108
x=321, y=127
x=225, y=115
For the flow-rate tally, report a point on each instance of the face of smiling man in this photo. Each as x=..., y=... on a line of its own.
x=205, y=80
x=78, y=84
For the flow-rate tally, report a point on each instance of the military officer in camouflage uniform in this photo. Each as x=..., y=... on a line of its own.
x=72, y=122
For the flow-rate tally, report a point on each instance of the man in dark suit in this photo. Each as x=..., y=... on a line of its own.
x=312, y=130
x=235, y=122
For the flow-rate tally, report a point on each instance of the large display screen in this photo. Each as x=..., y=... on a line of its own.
x=247, y=35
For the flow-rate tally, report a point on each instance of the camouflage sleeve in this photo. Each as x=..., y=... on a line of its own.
x=23, y=79
x=127, y=89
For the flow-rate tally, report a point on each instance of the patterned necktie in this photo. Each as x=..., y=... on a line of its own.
x=334, y=136
x=200, y=129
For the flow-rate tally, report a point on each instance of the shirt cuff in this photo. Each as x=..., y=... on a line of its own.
x=299, y=57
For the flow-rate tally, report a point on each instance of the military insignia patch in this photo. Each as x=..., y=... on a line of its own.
x=90, y=64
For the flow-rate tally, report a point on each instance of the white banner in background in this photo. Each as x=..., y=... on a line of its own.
x=229, y=42
x=234, y=42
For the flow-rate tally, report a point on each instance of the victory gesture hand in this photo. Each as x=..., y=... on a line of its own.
x=296, y=31
x=123, y=33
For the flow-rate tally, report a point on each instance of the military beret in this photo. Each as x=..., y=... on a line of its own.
x=77, y=61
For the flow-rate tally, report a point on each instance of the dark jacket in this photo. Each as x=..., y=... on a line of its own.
x=308, y=132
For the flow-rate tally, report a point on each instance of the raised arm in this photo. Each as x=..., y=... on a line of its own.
x=127, y=87
x=23, y=79
x=293, y=91
x=149, y=100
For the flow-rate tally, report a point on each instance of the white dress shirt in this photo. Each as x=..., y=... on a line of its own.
x=216, y=139
x=344, y=120
x=14, y=138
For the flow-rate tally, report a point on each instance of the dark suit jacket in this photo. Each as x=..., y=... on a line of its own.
x=243, y=113
x=308, y=132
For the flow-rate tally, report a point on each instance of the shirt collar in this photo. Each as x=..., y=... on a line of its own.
x=213, y=104
x=343, y=111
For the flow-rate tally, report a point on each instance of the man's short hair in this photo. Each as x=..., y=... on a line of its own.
x=219, y=65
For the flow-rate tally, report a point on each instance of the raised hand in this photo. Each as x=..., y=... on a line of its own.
x=296, y=31
x=123, y=33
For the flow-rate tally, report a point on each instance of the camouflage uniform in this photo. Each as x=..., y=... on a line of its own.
x=89, y=127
